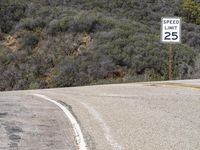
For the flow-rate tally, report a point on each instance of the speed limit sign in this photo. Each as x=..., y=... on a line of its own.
x=171, y=30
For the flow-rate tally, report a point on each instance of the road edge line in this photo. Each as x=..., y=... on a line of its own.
x=181, y=86
x=77, y=129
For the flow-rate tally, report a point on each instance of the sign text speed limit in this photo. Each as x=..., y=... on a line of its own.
x=171, y=30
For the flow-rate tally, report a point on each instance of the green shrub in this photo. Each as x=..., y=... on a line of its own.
x=29, y=41
x=53, y=27
x=6, y=56
x=64, y=23
x=10, y=15
x=191, y=11
x=66, y=76
x=31, y=24
x=34, y=85
x=83, y=23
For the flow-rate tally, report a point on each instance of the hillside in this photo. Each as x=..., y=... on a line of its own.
x=60, y=43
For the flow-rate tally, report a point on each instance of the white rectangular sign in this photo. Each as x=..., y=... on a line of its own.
x=171, y=30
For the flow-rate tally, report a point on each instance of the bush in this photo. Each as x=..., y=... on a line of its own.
x=10, y=15
x=53, y=27
x=191, y=11
x=31, y=24
x=29, y=41
x=64, y=23
x=184, y=61
x=6, y=57
x=83, y=23
x=66, y=76
x=34, y=85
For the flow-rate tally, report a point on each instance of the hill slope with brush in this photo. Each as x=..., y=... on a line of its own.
x=59, y=43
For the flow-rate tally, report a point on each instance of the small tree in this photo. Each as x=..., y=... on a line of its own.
x=191, y=9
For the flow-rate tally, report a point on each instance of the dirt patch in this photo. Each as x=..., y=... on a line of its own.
x=85, y=43
x=12, y=43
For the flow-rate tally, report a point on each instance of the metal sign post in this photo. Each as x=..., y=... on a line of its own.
x=170, y=33
x=170, y=72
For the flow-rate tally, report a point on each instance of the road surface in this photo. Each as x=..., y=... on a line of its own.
x=136, y=116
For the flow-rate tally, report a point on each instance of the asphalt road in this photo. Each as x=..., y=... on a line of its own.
x=28, y=123
x=138, y=116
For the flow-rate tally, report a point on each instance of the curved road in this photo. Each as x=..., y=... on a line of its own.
x=140, y=116
x=28, y=123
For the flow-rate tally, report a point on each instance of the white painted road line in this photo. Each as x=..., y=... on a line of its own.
x=77, y=129
x=104, y=126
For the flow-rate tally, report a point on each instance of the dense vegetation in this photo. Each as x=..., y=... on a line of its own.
x=59, y=43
